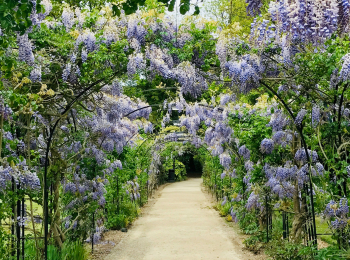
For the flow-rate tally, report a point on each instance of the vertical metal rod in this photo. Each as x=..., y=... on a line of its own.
x=14, y=220
x=287, y=227
x=284, y=224
x=267, y=221
x=23, y=236
x=117, y=194
x=222, y=188
x=140, y=192
x=93, y=232
x=18, y=227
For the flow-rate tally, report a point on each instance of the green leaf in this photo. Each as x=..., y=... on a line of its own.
x=196, y=12
x=184, y=6
x=171, y=5
x=116, y=10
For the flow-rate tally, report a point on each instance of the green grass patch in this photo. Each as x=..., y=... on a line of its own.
x=322, y=228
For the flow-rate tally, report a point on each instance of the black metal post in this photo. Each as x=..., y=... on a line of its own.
x=222, y=188
x=23, y=237
x=140, y=193
x=284, y=224
x=267, y=220
x=117, y=194
x=93, y=232
x=13, y=251
x=18, y=227
x=287, y=217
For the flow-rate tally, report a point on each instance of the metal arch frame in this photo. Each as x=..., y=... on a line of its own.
x=201, y=146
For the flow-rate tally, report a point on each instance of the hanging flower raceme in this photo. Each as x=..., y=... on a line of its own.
x=160, y=62
x=225, y=160
x=136, y=63
x=224, y=99
x=283, y=138
x=224, y=201
x=267, y=146
x=148, y=128
x=132, y=189
x=5, y=110
x=25, y=49
x=254, y=202
x=244, y=152
x=337, y=213
x=223, y=175
x=136, y=31
x=315, y=116
x=300, y=116
x=20, y=173
x=280, y=179
x=68, y=18
x=190, y=80
x=300, y=156
x=278, y=121
x=253, y=7
x=246, y=73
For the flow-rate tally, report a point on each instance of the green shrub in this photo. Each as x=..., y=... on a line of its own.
x=280, y=249
x=127, y=213
x=224, y=210
x=117, y=222
x=254, y=243
x=332, y=253
x=248, y=222
x=70, y=251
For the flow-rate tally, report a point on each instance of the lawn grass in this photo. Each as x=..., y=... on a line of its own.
x=37, y=211
x=322, y=228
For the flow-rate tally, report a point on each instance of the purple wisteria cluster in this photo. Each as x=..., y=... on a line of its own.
x=36, y=17
x=301, y=157
x=5, y=110
x=308, y=20
x=191, y=81
x=68, y=18
x=115, y=89
x=84, y=190
x=160, y=62
x=132, y=189
x=267, y=146
x=253, y=7
x=246, y=72
x=337, y=213
x=300, y=117
x=225, y=160
x=283, y=138
x=114, y=130
x=281, y=179
x=218, y=132
x=20, y=173
x=136, y=32
x=217, y=136
x=278, y=121
x=136, y=63
x=148, y=128
x=25, y=49
x=315, y=115
x=254, y=202
x=244, y=152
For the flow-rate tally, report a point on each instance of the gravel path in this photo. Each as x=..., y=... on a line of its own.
x=180, y=225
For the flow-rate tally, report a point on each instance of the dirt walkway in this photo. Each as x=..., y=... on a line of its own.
x=180, y=225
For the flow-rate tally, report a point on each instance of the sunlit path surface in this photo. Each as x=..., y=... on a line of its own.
x=180, y=225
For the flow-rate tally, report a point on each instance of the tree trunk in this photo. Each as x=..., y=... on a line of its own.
x=299, y=216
